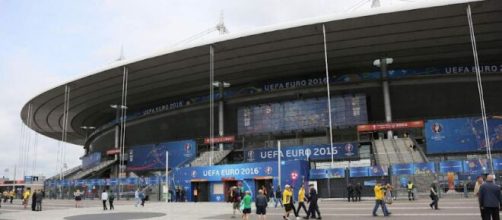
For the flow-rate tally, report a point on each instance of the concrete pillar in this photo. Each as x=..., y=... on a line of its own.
x=386, y=93
x=220, y=114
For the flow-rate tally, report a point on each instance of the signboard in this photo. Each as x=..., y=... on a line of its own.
x=302, y=114
x=425, y=168
x=91, y=160
x=462, y=135
x=327, y=173
x=310, y=152
x=378, y=171
x=113, y=151
x=414, y=168
x=359, y=171
x=153, y=156
x=224, y=139
x=390, y=126
x=455, y=166
x=403, y=169
x=474, y=167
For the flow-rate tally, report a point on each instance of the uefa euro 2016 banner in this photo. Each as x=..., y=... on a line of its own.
x=153, y=156
x=457, y=135
x=414, y=168
x=309, y=152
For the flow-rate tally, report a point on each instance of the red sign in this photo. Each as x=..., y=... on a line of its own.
x=113, y=151
x=224, y=139
x=390, y=126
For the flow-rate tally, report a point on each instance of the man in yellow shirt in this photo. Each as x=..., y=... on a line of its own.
x=379, y=200
x=26, y=196
x=286, y=201
x=301, y=199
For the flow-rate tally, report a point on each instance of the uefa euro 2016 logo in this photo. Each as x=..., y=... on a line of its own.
x=250, y=155
x=349, y=148
x=194, y=173
x=268, y=170
x=188, y=149
x=437, y=128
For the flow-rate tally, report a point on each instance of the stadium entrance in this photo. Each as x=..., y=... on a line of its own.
x=263, y=182
x=200, y=191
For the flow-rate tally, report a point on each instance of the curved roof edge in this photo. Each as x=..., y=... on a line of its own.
x=261, y=30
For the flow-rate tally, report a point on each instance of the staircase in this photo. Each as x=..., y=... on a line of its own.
x=69, y=172
x=96, y=168
x=205, y=158
x=397, y=151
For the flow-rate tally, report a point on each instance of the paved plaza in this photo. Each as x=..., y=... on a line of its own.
x=450, y=208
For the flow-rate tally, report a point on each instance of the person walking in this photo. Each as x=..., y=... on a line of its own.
x=136, y=197
x=236, y=194
x=78, y=198
x=388, y=193
x=411, y=193
x=479, y=182
x=490, y=199
x=301, y=201
x=292, y=201
x=195, y=194
x=434, y=196
x=34, y=200
x=286, y=201
x=278, y=196
x=143, y=196
x=5, y=195
x=104, y=198
x=313, y=206
x=39, y=198
x=26, y=196
x=247, y=205
x=12, y=194
x=261, y=202
x=111, y=198
x=379, y=197
x=357, y=191
x=350, y=192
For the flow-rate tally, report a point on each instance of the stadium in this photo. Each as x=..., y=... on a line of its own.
x=403, y=105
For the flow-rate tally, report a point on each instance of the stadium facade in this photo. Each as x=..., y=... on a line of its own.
x=270, y=85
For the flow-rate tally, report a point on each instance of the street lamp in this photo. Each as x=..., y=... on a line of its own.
x=87, y=129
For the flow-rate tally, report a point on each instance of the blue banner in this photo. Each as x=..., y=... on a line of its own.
x=403, y=169
x=455, y=166
x=462, y=135
x=327, y=173
x=359, y=171
x=425, y=168
x=153, y=156
x=310, y=152
x=91, y=160
x=476, y=167
x=378, y=171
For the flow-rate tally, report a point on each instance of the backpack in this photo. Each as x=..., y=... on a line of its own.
x=111, y=197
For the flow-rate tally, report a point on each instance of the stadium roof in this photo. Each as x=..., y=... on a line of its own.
x=416, y=35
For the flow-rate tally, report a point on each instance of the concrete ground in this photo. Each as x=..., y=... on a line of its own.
x=450, y=208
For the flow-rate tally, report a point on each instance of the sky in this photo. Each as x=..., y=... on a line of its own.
x=48, y=42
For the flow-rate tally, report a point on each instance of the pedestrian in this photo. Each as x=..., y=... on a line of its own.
x=195, y=194
x=247, y=205
x=5, y=195
x=12, y=195
x=177, y=194
x=261, y=203
x=379, y=197
x=39, y=198
x=411, y=187
x=265, y=191
x=142, y=196
x=313, y=206
x=78, y=198
x=137, y=198
x=26, y=196
x=434, y=196
x=34, y=200
x=104, y=198
x=292, y=201
x=490, y=199
x=388, y=193
x=357, y=191
x=350, y=192
x=301, y=201
x=278, y=196
x=286, y=201
x=236, y=195
x=111, y=198
x=479, y=182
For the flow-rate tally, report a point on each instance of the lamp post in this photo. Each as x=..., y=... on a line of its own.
x=221, y=85
x=87, y=129
x=119, y=139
